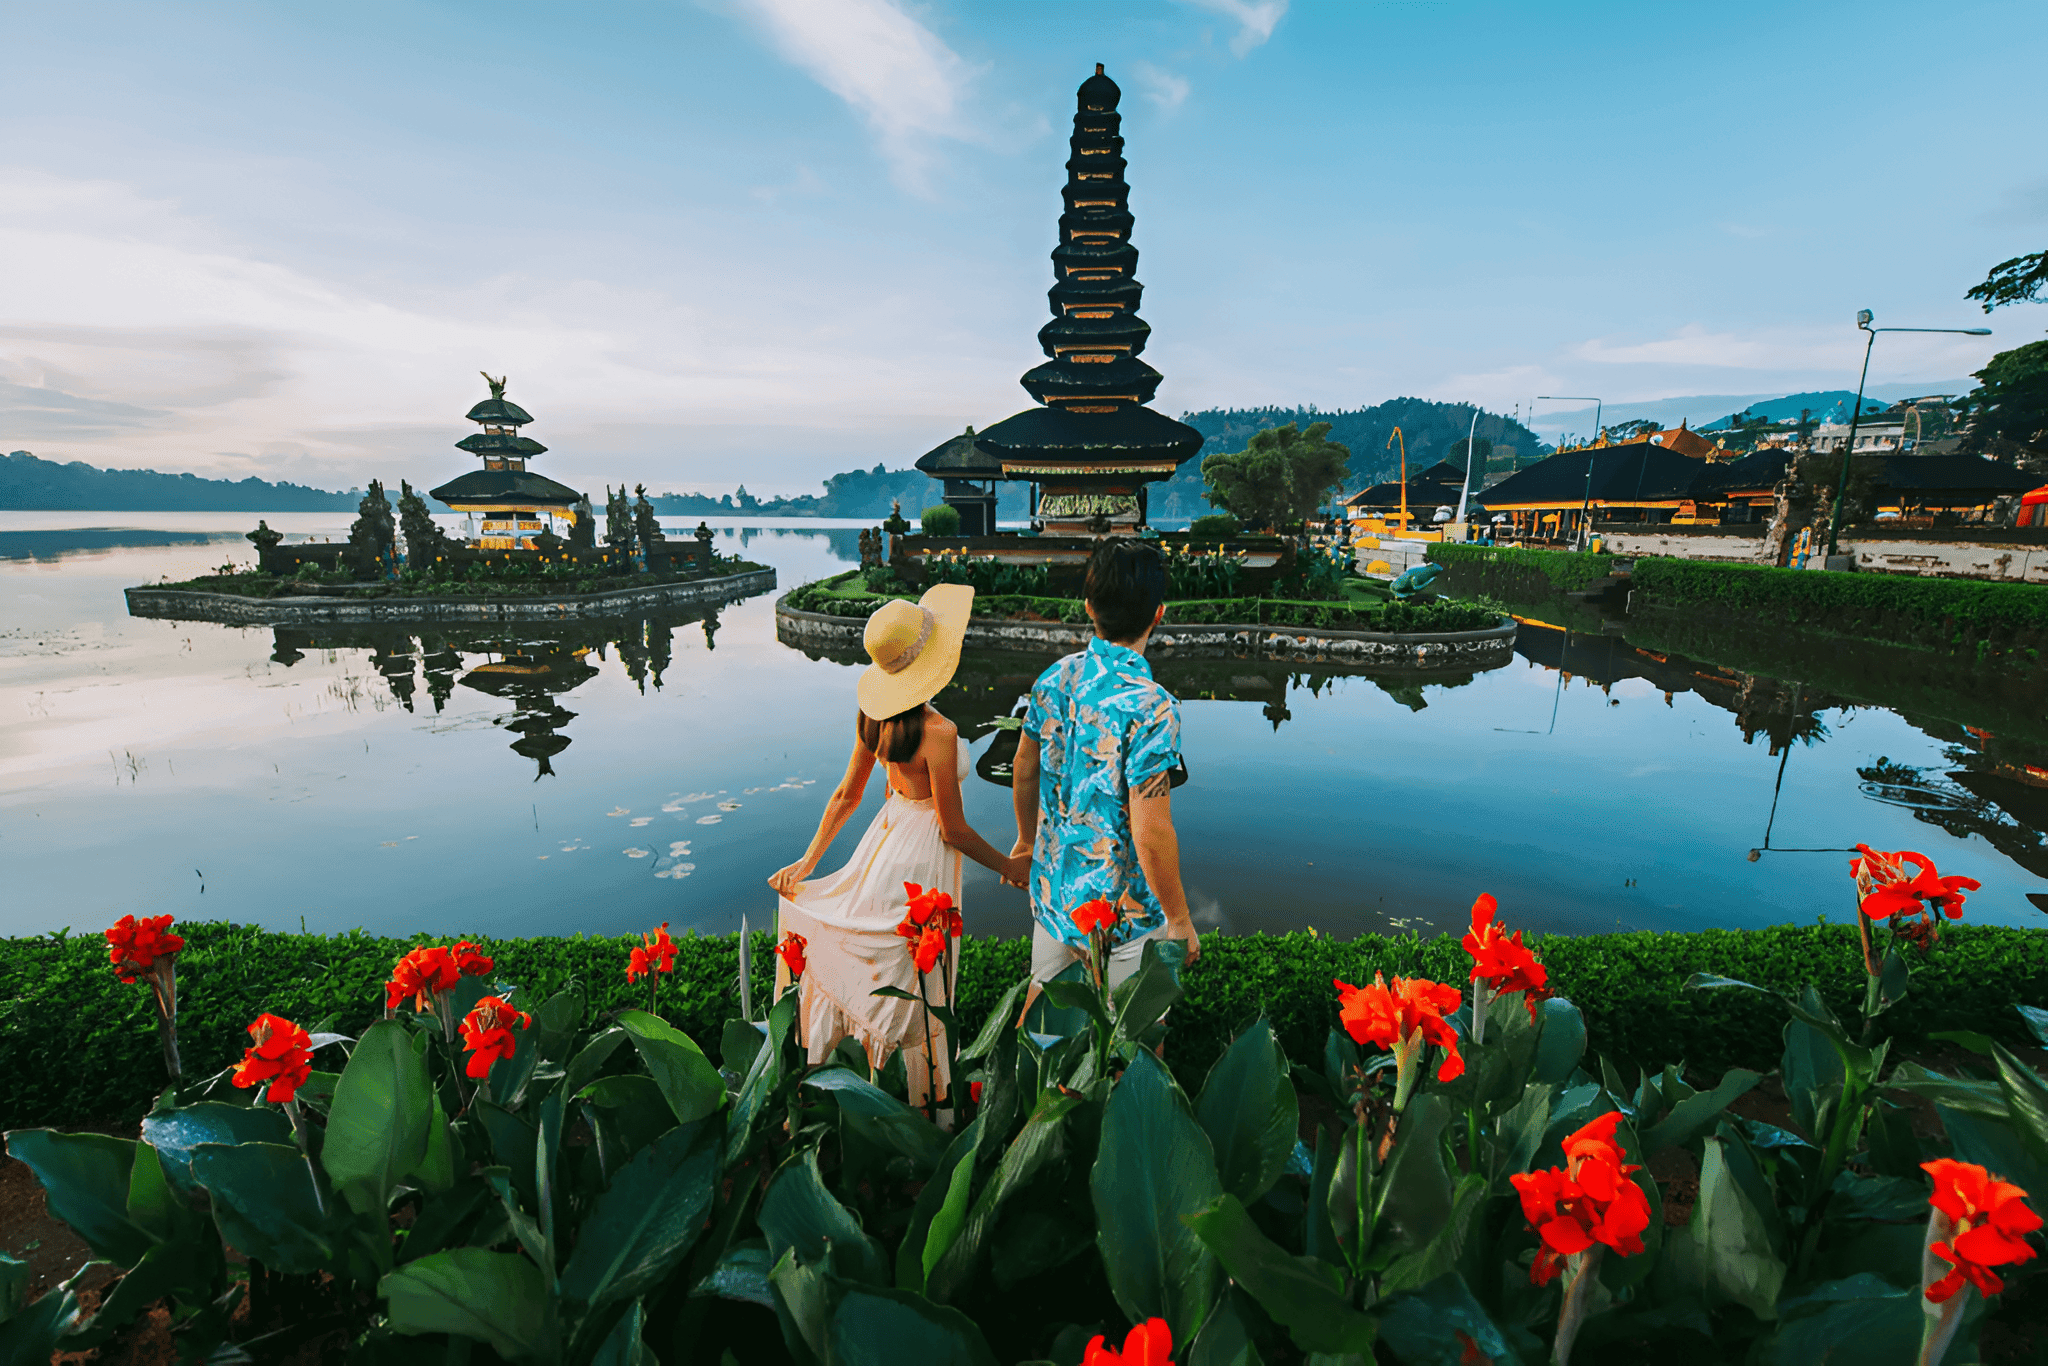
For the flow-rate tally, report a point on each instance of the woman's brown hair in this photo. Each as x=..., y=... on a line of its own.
x=896, y=740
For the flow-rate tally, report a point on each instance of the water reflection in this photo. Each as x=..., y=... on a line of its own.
x=61, y=543
x=1994, y=787
x=525, y=663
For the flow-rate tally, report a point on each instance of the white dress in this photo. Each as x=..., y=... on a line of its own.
x=848, y=920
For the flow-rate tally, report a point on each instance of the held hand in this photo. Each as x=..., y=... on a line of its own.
x=1016, y=870
x=1193, y=940
x=789, y=879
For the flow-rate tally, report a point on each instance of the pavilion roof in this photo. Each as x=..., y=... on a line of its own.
x=960, y=458
x=500, y=411
x=1634, y=473
x=483, y=443
x=1052, y=434
x=511, y=488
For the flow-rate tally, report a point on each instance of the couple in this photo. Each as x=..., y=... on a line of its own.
x=1100, y=743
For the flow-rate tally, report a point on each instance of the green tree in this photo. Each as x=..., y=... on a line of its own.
x=1280, y=477
x=2017, y=281
x=1642, y=426
x=2009, y=407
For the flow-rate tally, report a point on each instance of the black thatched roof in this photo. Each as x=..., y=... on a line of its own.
x=1130, y=433
x=960, y=458
x=482, y=443
x=1756, y=472
x=1635, y=473
x=513, y=488
x=1098, y=92
x=500, y=411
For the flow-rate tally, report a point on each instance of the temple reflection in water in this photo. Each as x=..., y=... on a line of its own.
x=528, y=664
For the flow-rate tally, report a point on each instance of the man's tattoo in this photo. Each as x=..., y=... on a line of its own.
x=1155, y=786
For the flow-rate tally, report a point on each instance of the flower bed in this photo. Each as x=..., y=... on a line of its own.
x=512, y=1161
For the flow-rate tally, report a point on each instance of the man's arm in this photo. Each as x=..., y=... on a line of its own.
x=1024, y=792
x=1159, y=855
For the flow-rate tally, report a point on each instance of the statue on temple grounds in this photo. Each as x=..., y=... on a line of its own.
x=646, y=531
x=870, y=554
x=618, y=522
x=583, y=535
x=266, y=540
x=896, y=525
x=426, y=545
x=373, y=540
x=706, y=556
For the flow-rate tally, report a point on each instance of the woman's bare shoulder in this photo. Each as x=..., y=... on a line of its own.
x=937, y=724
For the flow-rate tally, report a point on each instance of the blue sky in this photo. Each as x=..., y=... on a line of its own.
x=763, y=240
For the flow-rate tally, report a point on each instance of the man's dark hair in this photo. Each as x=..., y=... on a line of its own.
x=1126, y=583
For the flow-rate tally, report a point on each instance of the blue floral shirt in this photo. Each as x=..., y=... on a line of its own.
x=1103, y=727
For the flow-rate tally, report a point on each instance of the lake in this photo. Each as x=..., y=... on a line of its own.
x=664, y=767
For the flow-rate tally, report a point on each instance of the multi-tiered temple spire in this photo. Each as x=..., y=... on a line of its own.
x=508, y=505
x=1093, y=445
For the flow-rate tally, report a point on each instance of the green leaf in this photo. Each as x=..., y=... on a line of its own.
x=1986, y=1098
x=1077, y=996
x=1440, y=1324
x=626, y=1113
x=36, y=1333
x=1520, y=1131
x=740, y=1044
x=1812, y=1072
x=498, y=1298
x=267, y=1205
x=1302, y=1294
x=1692, y=1116
x=641, y=1227
x=741, y=1274
x=1147, y=994
x=513, y=1141
x=1000, y=1018
x=1154, y=1165
x=1446, y=1246
x=175, y=1133
x=881, y=1117
x=2026, y=1100
x=686, y=1077
x=15, y=1276
x=940, y=1210
x=1562, y=1043
x=2036, y=1020
x=1859, y=1319
x=1994, y=1144
x=803, y=1304
x=523, y=1226
x=1739, y=1259
x=436, y=1171
x=623, y=1346
x=1226, y=1339
x=890, y=1327
x=378, y=1130
x=798, y=1212
x=1041, y=1141
x=85, y=1180
x=1248, y=1109
x=1413, y=1191
x=1707, y=981
x=1893, y=979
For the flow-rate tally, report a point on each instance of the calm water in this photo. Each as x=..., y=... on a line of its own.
x=404, y=784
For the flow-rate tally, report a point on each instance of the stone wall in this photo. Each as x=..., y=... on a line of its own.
x=2013, y=556
x=183, y=605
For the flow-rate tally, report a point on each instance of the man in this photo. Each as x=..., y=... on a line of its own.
x=1092, y=778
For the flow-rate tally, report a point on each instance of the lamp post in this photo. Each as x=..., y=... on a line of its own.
x=1863, y=320
x=1585, y=508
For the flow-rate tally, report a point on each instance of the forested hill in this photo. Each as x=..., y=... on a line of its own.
x=856, y=493
x=1432, y=431
x=27, y=482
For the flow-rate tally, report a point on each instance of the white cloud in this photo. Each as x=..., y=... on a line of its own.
x=1255, y=19
x=893, y=71
x=1163, y=88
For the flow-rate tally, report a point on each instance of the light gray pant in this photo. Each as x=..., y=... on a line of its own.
x=1050, y=956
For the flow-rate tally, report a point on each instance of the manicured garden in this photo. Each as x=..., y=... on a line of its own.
x=1791, y=1145
x=502, y=577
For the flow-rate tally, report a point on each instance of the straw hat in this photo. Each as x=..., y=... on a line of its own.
x=916, y=648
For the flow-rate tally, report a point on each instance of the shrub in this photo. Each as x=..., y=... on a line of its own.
x=1217, y=526
x=1516, y=574
x=941, y=519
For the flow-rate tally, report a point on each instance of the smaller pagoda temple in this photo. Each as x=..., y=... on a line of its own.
x=507, y=504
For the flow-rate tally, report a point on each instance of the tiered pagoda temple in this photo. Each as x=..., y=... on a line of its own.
x=507, y=504
x=1091, y=445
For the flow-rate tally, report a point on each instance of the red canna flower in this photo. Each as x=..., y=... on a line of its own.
x=1091, y=916
x=655, y=953
x=928, y=945
x=1590, y=1200
x=1146, y=1345
x=1986, y=1222
x=282, y=1056
x=471, y=961
x=974, y=1092
x=1888, y=891
x=792, y=950
x=487, y=1034
x=133, y=946
x=422, y=974
x=926, y=903
x=1401, y=1017
x=1500, y=961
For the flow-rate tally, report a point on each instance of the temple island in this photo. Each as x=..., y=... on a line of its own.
x=528, y=549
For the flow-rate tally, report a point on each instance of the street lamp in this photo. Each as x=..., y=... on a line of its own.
x=1585, y=508
x=1863, y=320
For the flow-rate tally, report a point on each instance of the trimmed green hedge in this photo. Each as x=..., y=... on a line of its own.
x=1503, y=572
x=77, y=1047
x=1946, y=615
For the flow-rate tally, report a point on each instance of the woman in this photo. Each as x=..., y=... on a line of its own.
x=849, y=918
